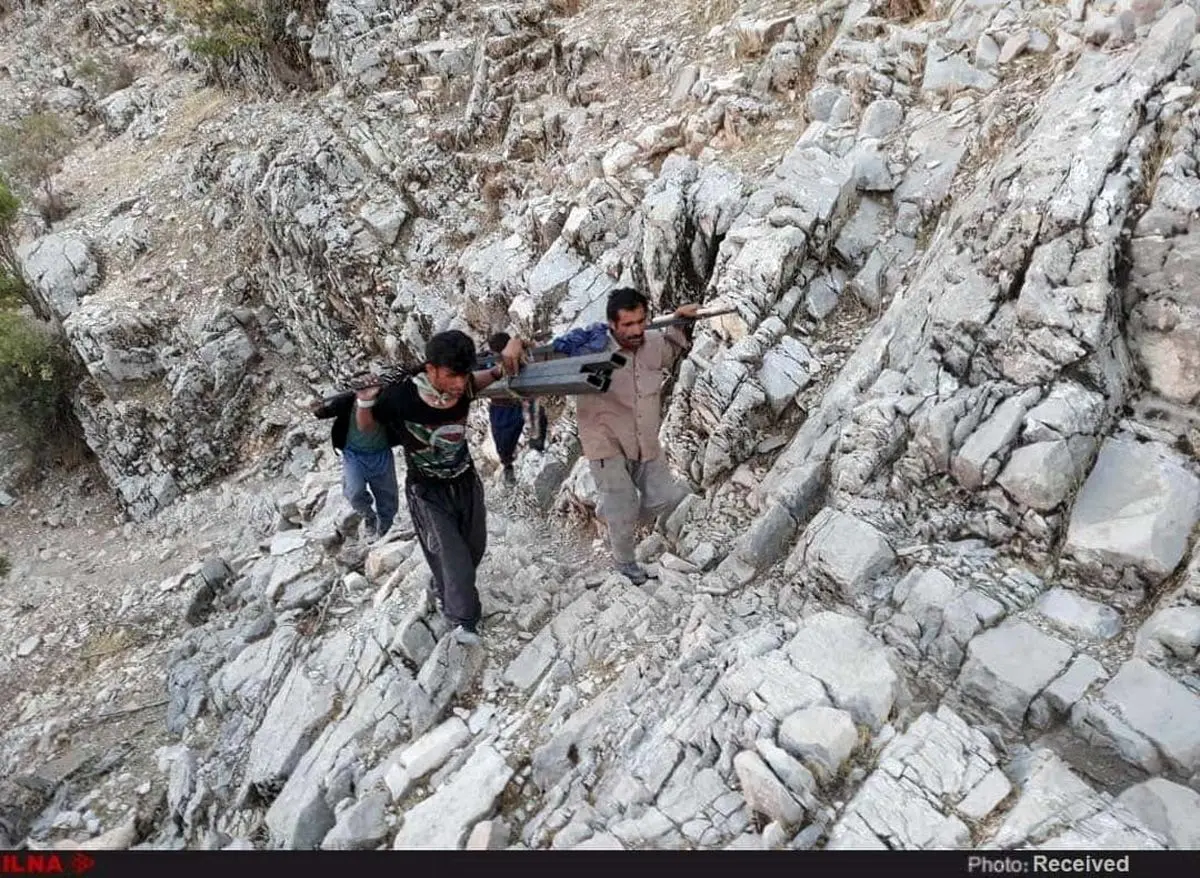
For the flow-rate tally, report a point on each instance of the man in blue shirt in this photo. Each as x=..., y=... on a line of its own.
x=368, y=464
x=508, y=416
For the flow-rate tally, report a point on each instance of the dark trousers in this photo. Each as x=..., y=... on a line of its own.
x=507, y=423
x=540, y=424
x=451, y=524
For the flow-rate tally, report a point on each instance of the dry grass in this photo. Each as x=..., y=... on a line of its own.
x=110, y=642
x=747, y=43
x=494, y=185
x=105, y=76
x=566, y=8
x=908, y=10
x=1156, y=156
x=192, y=112
x=754, y=148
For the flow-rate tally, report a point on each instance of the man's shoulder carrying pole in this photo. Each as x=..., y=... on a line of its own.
x=394, y=375
x=550, y=374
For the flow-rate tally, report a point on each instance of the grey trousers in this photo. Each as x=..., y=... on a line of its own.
x=632, y=491
x=451, y=525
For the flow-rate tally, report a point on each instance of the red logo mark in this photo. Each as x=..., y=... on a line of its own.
x=31, y=864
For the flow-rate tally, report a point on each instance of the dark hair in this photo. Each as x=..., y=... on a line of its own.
x=625, y=299
x=497, y=341
x=452, y=350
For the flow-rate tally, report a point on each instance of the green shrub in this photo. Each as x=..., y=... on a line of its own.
x=105, y=76
x=32, y=151
x=35, y=379
x=226, y=26
x=36, y=370
x=88, y=68
x=225, y=30
x=5, y=566
x=13, y=290
x=10, y=206
x=10, y=211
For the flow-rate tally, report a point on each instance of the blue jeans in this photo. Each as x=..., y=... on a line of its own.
x=367, y=474
x=507, y=424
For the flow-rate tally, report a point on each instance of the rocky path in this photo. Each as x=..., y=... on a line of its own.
x=308, y=700
x=99, y=626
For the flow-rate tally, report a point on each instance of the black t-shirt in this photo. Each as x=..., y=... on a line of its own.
x=434, y=439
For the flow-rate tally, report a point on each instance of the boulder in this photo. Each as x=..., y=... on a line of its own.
x=1147, y=716
x=844, y=548
x=1010, y=664
x=61, y=268
x=443, y=821
x=764, y=792
x=1078, y=615
x=1136, y=510
x=822, y=737
x=1168, y=808
x=853, y=665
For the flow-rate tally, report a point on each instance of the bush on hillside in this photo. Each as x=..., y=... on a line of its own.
x=32, y=151
x=226, y=29
x=104, y=76
x=10, y=212
x=13, y=289
x=35, y=380
x=225, y=26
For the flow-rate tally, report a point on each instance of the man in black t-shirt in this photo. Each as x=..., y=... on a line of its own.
x=426, y=414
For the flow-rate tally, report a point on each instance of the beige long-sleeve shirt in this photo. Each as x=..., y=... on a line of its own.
x=625, y=420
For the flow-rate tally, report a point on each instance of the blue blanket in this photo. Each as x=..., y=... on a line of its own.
x=586, y=340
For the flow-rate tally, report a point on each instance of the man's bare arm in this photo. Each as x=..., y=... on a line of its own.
x=486, y=377
x=679, y=337
x=513, y=355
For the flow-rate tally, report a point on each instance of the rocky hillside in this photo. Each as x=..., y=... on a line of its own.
x=937, y=586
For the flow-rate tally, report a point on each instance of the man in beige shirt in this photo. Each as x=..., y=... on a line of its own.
x=619, y=428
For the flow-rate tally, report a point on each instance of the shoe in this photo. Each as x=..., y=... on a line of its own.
x=510, y=477
x=466, y=636
x=633, y=572
x=433, y=604
x=370, y=528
